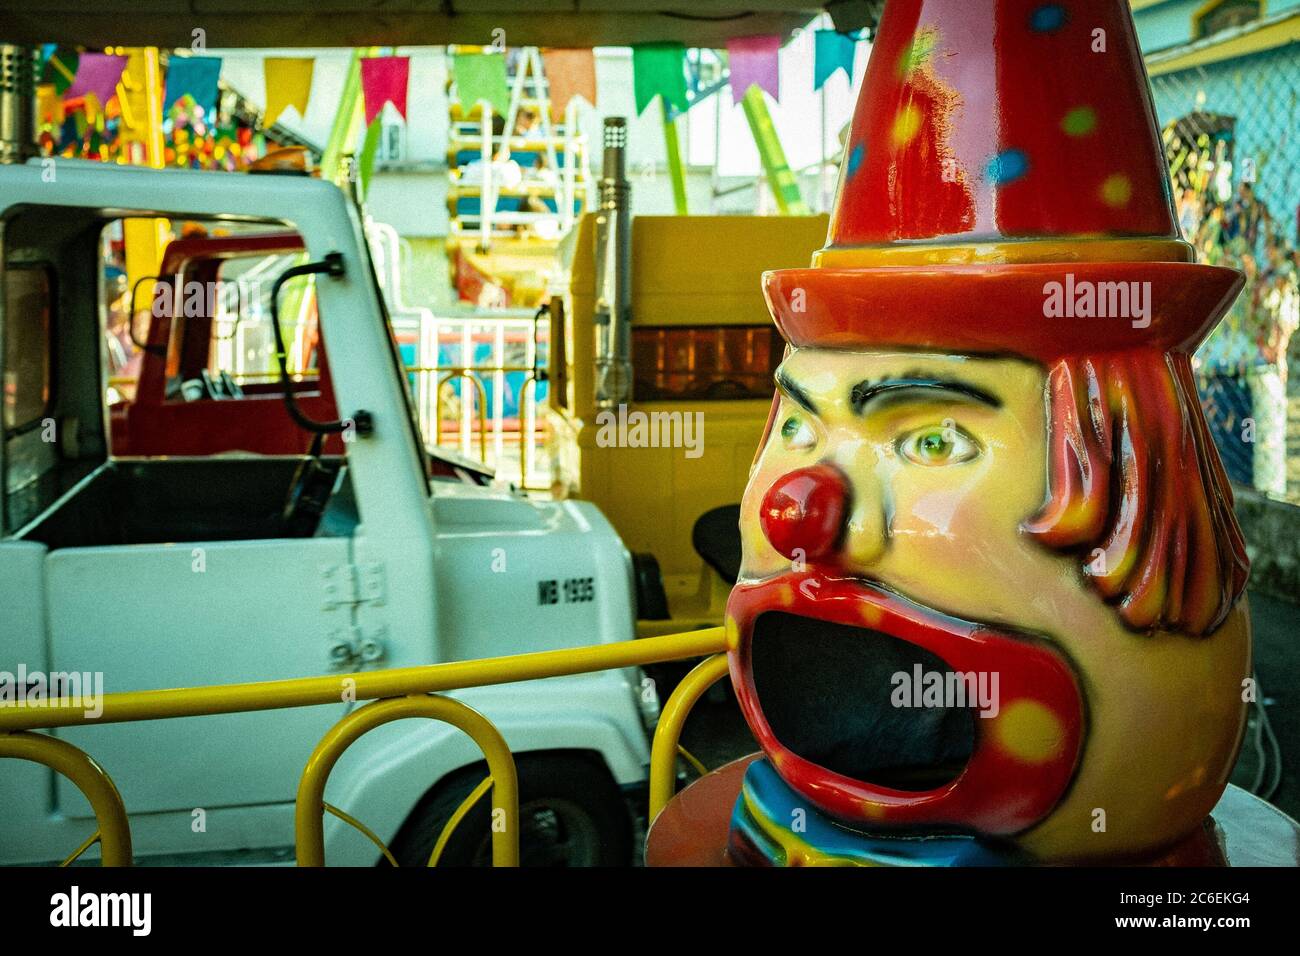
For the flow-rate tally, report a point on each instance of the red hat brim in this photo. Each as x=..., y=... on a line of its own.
x=995, y=308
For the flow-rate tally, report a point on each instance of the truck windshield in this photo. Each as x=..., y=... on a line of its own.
x=199, y=346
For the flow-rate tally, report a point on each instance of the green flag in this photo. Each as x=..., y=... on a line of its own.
x=659, y=69
x=481, y=76
x=366, y=162
x=60, y=68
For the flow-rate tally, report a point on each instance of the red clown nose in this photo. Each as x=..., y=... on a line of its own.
x=804, y=511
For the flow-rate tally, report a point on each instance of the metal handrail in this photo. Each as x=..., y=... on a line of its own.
x=90, y=778
x=664, y=748
x=399, y=692
x=526, y=435
x=472, y=375
x=310, y=807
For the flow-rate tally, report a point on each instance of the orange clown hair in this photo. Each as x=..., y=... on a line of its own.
x=1136, y=486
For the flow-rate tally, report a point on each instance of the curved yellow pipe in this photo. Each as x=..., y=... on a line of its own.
x=663, y=751
x=90, y=778
x=364, y=830
x=308, y=813
x=462, y=811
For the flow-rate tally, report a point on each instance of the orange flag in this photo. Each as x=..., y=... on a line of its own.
x=569, y=73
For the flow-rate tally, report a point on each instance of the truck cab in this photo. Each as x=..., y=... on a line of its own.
x=147, y=571
x=194, y=394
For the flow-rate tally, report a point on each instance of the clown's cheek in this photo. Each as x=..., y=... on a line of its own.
x=949, y=544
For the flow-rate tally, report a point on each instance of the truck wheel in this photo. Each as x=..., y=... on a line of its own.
x=571, y=813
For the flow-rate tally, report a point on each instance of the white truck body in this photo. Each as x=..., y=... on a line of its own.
x=416, y=576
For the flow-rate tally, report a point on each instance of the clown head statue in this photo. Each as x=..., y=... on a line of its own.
x=991, y=592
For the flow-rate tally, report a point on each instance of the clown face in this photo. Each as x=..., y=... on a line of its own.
x=888, y=570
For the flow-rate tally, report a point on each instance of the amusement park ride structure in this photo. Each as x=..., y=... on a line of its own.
x=311, y=581
x=376, y=618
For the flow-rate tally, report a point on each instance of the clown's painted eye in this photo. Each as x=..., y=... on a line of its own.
x=797, y=434
x=938, y=445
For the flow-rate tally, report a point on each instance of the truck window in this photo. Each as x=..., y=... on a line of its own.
x=209, y=377
x=704, y=363
x=27, y=364
x=243, y=343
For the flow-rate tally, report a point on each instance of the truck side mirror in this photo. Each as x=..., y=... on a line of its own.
x=143, y=344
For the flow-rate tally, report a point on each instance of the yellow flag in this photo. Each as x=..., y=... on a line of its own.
x=288, y=83
x=49, y=105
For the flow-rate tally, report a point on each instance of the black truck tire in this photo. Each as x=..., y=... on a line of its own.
x=571, y=813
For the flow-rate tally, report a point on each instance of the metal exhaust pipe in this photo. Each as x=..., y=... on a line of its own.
x=613, y=312
x=17, y=103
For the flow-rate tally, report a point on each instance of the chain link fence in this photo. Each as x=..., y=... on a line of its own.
x=1230, y=137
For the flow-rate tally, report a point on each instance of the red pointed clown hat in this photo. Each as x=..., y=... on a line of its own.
x=1003, y=191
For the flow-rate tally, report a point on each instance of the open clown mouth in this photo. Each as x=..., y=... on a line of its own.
x=886, y=713
x=841, y=697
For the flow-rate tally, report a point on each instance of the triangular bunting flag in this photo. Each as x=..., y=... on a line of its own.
x=481, y=76
x=366, y=160
x=60, y=68
x=832, y=51
x=196, y=75
x=569, y=73
x=384, y=79
x=97, y=73
x=659, y=69
x=49, y=105
x=288, y=83
x=755, y=61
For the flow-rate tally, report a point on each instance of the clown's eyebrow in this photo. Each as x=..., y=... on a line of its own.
x=794, y=392
x=866, y=392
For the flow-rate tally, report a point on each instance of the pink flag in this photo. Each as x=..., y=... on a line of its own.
x=755, y=60
x=97, y=73
x=384, y=80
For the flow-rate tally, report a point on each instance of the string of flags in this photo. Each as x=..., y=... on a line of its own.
x=81, y=113
x=659, y=69
x=78, y=89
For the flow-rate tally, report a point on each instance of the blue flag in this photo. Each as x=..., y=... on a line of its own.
x=833, y=51
x=195, y=75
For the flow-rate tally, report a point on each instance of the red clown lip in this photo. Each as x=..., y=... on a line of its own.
x=1021, y=759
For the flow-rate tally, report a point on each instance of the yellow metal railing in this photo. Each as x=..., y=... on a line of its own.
x=395, y=694
x=480, y=389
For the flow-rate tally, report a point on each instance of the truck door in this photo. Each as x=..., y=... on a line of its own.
x=180, y=572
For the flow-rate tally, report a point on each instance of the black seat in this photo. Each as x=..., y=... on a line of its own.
x=716, y=539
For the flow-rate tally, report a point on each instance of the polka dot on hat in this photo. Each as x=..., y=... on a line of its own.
x=1048, y=18
x=1008, y=166
x=1079, y=121
x=906, y=124
x=1116, y=190
x=856, y=156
